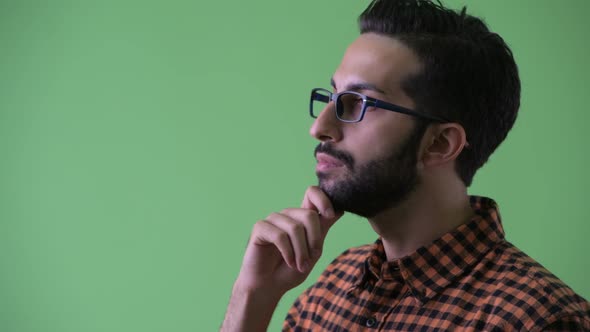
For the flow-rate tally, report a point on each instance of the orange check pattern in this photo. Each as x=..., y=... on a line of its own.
x=470, y=279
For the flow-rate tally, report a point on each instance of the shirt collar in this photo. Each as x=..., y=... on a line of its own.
x=431, y=268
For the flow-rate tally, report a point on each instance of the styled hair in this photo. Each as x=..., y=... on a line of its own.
x=468, y=75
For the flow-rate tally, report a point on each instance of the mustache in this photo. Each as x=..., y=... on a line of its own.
x=342, y=156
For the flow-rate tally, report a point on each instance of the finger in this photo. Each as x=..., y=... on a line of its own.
x=297, y=234
x=265, y=233
x=311, y=221
x=316, y=199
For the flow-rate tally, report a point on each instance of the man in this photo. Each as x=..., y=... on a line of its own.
x=420, y=100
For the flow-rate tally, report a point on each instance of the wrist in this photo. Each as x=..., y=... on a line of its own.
x=257, y=292
x=250, y=309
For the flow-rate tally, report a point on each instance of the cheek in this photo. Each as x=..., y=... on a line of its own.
x=379, y=137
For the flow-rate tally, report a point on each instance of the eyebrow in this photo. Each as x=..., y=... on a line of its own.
x=359, y=86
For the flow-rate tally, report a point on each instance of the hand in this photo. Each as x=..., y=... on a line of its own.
x=284, y=247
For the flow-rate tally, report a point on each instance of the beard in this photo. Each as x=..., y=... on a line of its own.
x=377, y=185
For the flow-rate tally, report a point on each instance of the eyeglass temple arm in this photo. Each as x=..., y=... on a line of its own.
x=399, y=109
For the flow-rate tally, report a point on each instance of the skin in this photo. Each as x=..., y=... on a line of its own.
x=284, y=247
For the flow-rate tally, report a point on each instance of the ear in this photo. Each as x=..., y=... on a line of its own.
x=441, y=144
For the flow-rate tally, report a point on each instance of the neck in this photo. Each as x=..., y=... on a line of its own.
x=427, y=214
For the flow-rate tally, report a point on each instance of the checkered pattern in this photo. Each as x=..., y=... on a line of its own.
x=470, y=279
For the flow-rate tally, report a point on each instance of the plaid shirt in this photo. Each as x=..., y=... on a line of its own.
x=469, y=279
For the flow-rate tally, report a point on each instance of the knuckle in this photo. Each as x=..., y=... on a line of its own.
x=273, y=215
x=282, y=237
x=309, y=214
x=257, y=225
x=296, y=228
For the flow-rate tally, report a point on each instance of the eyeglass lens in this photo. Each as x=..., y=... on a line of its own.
x=348, y=105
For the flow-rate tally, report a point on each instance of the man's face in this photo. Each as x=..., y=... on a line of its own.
x=370, y=166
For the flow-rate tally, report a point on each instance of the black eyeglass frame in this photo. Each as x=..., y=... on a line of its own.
x=367, y=102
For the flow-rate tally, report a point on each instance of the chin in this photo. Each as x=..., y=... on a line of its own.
x=329, y=183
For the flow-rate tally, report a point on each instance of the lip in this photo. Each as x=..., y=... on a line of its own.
x=326, y=162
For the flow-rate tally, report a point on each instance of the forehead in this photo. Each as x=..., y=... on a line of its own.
x=378, y=60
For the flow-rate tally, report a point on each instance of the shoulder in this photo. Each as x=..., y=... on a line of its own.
x=529, y=293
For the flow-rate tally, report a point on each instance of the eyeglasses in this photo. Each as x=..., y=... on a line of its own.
x=351, y=106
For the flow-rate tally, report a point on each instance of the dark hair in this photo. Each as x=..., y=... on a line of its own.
x=469, y=75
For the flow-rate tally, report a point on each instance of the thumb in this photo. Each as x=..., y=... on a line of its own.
x=316, y=199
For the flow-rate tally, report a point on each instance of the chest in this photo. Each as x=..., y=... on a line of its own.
x=378, y=305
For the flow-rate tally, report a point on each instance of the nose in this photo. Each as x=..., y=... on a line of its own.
x=326, y=127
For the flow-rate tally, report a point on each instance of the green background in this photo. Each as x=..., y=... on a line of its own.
x=140, y=141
